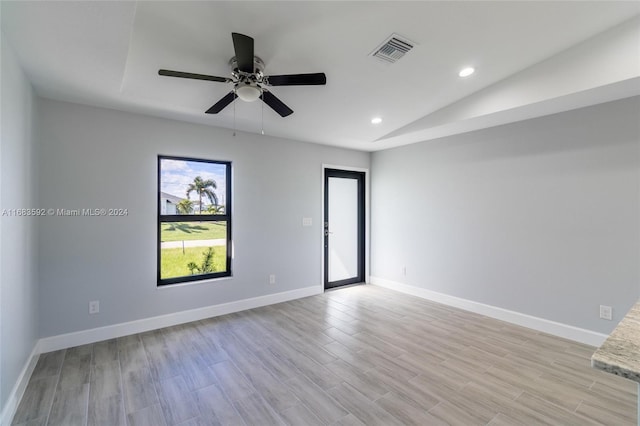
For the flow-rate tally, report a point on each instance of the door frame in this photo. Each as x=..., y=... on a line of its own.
x=367, y=218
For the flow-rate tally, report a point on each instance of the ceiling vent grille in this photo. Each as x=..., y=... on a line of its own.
x=392, y=49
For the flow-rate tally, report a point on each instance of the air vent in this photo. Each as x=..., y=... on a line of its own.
x=392, y=49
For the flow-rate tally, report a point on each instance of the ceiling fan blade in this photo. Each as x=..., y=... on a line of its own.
x=276, y=104
x=297, y=79
x=181, y=74
x=222, y=103
x=243, y=45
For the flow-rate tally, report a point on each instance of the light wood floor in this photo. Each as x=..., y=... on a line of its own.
x=358, y=355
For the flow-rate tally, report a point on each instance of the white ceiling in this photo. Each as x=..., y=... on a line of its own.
x=108, y=54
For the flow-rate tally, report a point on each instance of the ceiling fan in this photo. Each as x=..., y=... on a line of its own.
x=249, y=83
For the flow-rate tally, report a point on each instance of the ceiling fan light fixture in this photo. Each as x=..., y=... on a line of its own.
x=249, y=82
x=248, y=93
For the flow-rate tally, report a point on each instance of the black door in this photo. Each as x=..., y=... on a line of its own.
x=344, y=225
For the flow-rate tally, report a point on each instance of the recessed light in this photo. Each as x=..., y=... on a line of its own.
x=466, y=72
x=376, y=120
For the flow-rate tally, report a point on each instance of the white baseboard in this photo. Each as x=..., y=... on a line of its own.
x=93, y=335
x=540, y=324
x=9, y=410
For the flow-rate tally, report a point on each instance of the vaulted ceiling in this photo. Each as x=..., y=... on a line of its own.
x=531, y=59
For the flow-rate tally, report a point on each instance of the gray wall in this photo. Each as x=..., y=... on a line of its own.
x=541, y=217
x=94, y=158
x=18, y=247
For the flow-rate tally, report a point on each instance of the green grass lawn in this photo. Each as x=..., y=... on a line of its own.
x=186, y=231
x=173, y=263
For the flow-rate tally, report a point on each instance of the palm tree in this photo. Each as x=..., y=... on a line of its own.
x=202, y=187
x=215, y=209
x=185, y=207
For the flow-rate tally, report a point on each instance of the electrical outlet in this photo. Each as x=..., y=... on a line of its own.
x=272, y=279
x=94, y=307
x=606, y=312
x=307, y=221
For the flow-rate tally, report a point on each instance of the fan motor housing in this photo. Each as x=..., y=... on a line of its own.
x=258, y=65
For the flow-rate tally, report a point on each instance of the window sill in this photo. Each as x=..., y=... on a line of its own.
x=192, y=283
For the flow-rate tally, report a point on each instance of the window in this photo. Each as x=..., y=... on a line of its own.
x=194, y=219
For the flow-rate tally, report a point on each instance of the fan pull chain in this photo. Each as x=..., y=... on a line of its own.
x=262, y=130
x=234, y=113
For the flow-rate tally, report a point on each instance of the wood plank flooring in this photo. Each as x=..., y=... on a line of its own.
x=353, y=356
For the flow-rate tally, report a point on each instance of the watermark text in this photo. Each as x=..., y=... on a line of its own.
x=83, y=212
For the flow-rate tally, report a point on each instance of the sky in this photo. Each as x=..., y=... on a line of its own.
x=176, y=175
